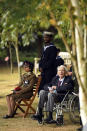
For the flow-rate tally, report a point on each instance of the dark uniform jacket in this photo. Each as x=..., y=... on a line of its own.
x=27, y=82
x=48, y=65
x=67, y=84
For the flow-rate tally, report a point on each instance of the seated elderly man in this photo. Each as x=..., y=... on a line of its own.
x=60, y=84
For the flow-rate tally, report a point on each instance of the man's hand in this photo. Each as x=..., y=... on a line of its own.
x=17, y=92
x=41, y=70
x=50, y=89
x=54, y=87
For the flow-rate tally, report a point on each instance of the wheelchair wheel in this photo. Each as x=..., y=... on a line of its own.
x=74, y=109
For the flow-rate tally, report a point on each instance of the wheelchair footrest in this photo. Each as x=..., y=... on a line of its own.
x=59, y=120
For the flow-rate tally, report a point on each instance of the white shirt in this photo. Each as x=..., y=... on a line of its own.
x=45, y=47
x=61, y=80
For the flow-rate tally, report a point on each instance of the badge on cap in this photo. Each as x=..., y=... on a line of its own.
x=47, y=33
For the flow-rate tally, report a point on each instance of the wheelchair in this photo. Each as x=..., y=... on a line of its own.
x=70, y=104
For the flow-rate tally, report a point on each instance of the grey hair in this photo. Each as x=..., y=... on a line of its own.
x=65, y=68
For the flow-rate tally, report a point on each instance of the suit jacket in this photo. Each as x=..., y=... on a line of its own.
x=67, y=84
x=26, y=84
x=48, y=63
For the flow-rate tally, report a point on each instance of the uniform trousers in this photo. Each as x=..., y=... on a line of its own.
x=47, y=97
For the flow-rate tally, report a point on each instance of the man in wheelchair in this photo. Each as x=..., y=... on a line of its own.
x=60, y=84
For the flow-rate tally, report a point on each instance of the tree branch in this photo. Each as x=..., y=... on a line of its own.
x=72, y=29
x=60, y=31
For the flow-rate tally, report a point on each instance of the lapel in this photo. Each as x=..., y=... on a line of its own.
x=57, y=79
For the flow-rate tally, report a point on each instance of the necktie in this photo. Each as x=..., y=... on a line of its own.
x=59, y=83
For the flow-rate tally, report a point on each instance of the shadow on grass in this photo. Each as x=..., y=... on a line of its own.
x=27, y=124
x=2, y=96
x=2, y=80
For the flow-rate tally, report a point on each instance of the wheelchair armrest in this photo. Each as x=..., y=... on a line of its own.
x=75, y=94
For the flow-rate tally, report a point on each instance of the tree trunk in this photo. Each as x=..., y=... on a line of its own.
x=18, y=61
x=11, y=62
x=85, y=35
x=83, y=106
x=80, y=61
x=85, y=41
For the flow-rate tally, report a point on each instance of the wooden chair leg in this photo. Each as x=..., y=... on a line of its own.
x=21, y=109
x=33, y=109
x=16, y=108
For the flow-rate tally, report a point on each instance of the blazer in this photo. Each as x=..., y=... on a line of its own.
x=48, y=63
x=26, y=87
x=27, y=82
x=67, y=85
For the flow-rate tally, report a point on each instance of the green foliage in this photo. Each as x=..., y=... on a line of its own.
x=3, y=54
x=29, y=17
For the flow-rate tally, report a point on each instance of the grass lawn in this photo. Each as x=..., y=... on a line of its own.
x=7, y=83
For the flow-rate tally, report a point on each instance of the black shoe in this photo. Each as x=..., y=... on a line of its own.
x=35, y=117
x=8, y=116
x=59, y=120
x=39, y=119
x=48, y=120
x=51, y=121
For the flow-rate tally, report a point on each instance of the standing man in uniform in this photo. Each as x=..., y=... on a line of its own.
x=47, y=63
